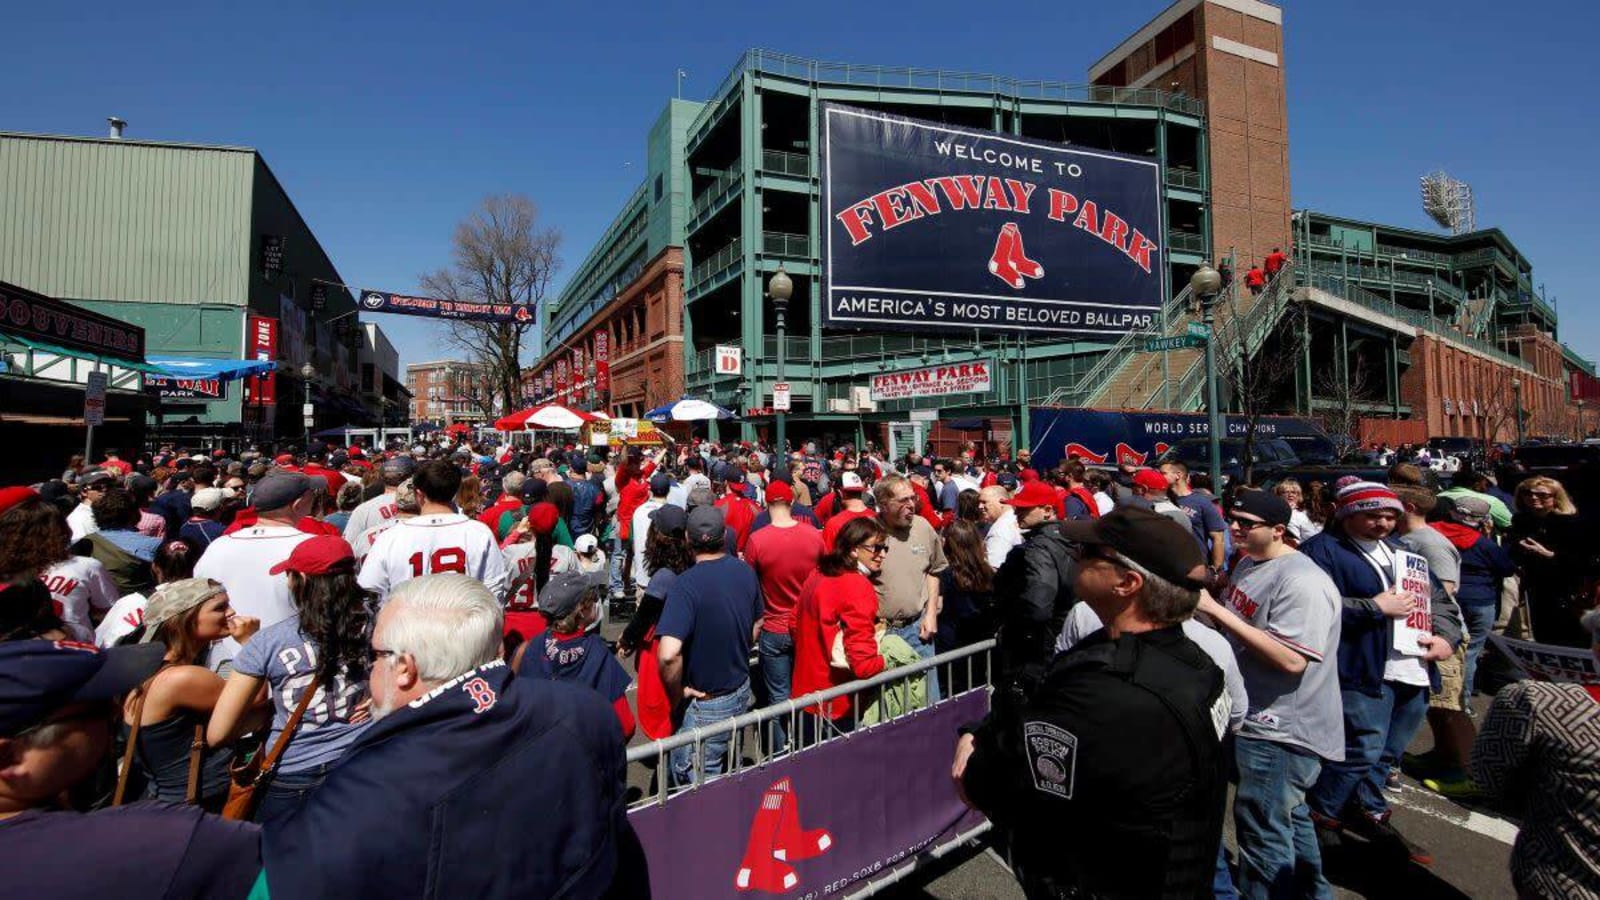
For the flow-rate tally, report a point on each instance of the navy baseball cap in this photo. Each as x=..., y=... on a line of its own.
x=39, y=677
x=706, y=523
x=1007, y=480
x=660, y=484
x=670, y=518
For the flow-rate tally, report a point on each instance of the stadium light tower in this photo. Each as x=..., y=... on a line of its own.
x=1449, y=202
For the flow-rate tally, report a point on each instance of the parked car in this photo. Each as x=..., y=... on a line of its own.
x=1272, y=457
x=1576, y=466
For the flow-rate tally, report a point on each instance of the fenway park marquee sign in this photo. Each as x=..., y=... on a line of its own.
x=934, y=381
x=930, y=226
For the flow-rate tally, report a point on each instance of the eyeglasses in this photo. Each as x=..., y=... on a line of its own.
x=1086, y=553
x=875, y=549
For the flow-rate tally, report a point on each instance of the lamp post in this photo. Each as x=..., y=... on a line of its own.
x=1206, y=282
x=1516, y=393
x=307, y=373
x=780, y=288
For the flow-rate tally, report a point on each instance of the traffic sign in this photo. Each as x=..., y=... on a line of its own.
x=94, y=399
x=780, y=396
x=1199, y=330
x=1156, y=345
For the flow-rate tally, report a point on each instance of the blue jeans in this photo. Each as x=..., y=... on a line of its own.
x=287, y=790
x=1479, y=621
x=700, y=714
x=1376, y=731
x=1278, y=852
x=911, y=632
x=776, y=652
x=619, y=550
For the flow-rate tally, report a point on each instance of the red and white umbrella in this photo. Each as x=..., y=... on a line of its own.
x=551, y=416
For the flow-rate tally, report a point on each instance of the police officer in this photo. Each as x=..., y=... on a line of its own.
x=1109, y=781
x=1035, y=582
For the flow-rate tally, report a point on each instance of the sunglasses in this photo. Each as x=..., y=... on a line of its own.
x=1541, y=495
x=1246, y=524
x=875, y=549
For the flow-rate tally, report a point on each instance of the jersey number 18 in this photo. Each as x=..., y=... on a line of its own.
x=444, y=559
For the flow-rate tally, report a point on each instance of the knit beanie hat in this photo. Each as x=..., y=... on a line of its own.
x=1365, y=496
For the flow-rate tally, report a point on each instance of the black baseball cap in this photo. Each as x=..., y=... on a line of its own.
x=562, y=593
x=670, y=518
x=1269, y=508
x=1148, y=538
x=660, y=484
x=706, y=525
x=39, y=677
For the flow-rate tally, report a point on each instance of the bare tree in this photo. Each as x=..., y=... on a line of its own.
x=1256, y=359
x=1344, y=392
x=501, y=256
x=1499, y=407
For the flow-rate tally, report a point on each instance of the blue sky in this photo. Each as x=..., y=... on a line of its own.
x=389, y=122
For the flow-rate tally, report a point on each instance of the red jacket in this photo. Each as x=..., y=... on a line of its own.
x=631, y=494
x=1255, y=277
x=1275, y=262
x=491, y=516
x=925, y=507
x=830, y=604
x=739, y=514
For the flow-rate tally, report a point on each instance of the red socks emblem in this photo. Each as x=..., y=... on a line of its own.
x=1009, y=262
x=777, y=839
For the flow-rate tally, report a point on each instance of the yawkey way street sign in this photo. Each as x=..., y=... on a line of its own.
x=1156, y=345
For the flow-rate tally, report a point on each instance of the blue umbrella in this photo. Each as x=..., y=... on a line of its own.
x=687, y=410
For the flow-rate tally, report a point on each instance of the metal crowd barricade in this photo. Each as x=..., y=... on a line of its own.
x=965, y=669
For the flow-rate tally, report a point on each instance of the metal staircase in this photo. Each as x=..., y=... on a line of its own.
x=1125, y=351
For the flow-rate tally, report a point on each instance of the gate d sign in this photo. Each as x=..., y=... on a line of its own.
x=729, y=360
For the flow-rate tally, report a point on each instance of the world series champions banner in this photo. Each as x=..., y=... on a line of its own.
x=932, y=226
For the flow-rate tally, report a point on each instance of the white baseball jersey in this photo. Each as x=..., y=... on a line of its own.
x=362, y=545
x=523, y=594
x=425, y=545
x=81, y=521
x=376, y=511
x=120, y=621
x=78, y=584
x=240, y=561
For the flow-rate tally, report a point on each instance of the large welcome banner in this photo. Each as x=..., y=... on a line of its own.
x=931, y=226
x=434, y=307
x=817, y=823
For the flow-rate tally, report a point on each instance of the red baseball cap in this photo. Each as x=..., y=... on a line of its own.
x=780, y=492
x=1150, y=479
x=315, y=556
x=1034, y=493
x=11, y=496
x=283, y=459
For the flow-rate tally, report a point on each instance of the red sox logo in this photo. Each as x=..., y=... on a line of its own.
x=483, y=696
x=776, y=839
x=1009, y=262
x=1125, y=455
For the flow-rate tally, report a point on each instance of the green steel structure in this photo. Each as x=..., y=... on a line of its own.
x=651, y=220
x=734, y=181
x=755, y=192
x=175, y=238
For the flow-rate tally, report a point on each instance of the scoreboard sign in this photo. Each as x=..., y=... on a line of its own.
x=934, y=227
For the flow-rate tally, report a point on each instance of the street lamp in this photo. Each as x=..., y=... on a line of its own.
x=1516, y=392
x=307, y=373
x=1206, y=282
x=780, y=288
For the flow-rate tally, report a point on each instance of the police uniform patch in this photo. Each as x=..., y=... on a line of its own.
x=1052, y=757
x=1219, y=713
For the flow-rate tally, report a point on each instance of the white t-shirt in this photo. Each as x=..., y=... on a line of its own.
x=1003, y=535
x=124, y=616
x=1104, y=502
x=1399, y=667
x=362, y=545
x=240, y=561
x=425, y=545
x=81, y=521
x=374, y=512
x=640, y=528
x=79, y=584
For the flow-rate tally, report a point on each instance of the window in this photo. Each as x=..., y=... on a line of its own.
x=659, y=184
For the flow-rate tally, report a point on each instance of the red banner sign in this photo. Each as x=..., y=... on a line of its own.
x=561, y=376
x=602, y=361
x=261, y=343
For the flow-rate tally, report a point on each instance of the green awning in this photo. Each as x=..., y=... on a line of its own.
x=144, y=367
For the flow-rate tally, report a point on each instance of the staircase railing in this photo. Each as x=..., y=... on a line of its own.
x=1238, y=334
x=1117, y=356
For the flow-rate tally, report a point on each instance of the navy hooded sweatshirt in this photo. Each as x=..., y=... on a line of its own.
x=489, y=786
x=1366, y=635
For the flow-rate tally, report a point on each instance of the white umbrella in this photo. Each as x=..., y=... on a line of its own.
x=687, y=410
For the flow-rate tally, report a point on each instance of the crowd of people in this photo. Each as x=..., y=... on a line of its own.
x=274, y=649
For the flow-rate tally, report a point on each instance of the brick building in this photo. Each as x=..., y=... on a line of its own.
x=626, y=358
x=448, y=391
x=1229, y=54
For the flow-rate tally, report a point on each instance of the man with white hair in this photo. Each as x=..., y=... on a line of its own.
x=460, y=756
x=1004, y=532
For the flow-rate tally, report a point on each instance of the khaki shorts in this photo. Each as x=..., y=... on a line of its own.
x=1452, y=682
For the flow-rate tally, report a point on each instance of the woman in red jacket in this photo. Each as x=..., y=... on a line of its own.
x=839, y=600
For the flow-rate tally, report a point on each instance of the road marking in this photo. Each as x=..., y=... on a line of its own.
x=1430, y=804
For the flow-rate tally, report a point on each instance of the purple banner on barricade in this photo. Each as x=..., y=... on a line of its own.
x=817, y=822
